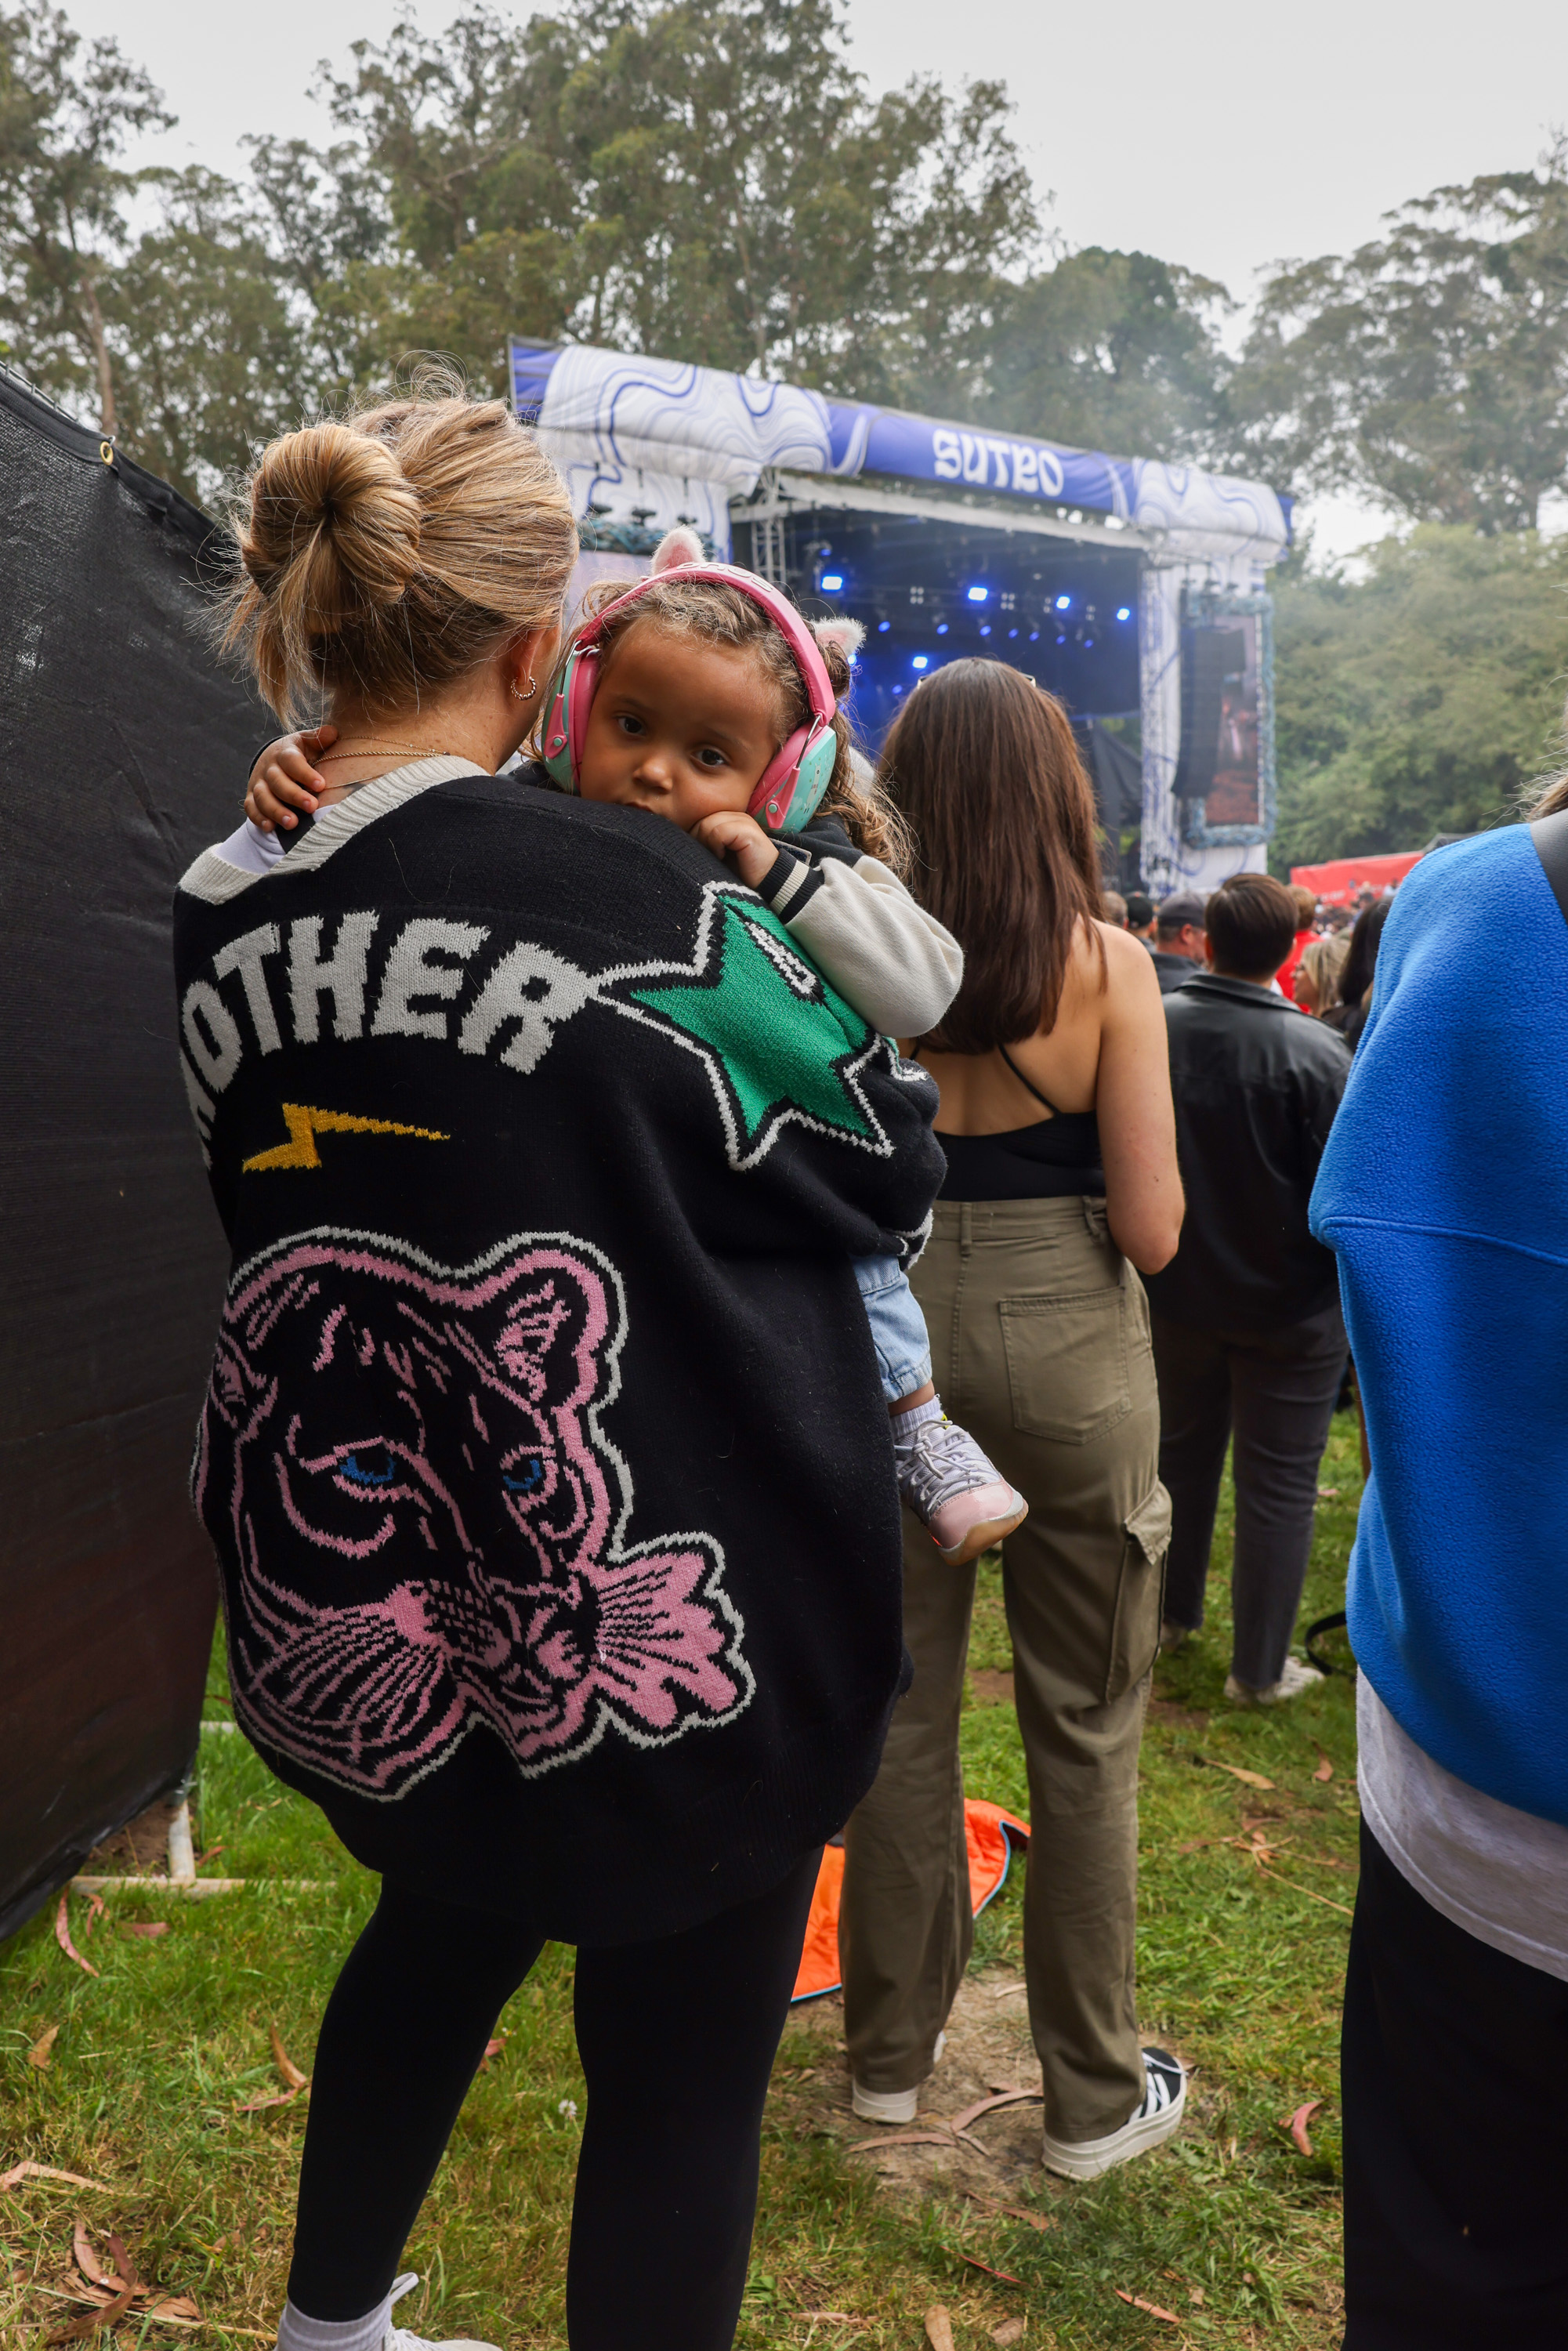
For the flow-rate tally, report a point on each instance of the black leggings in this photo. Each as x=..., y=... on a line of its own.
x=677, y=2039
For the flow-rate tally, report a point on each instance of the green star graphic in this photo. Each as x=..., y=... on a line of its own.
x=780, y=1035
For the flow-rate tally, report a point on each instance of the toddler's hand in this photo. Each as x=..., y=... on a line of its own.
x=283, y=778
x=740, y=841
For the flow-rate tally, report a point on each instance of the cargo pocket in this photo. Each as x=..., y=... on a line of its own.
x=1067, y=1363
x=1140, y=1594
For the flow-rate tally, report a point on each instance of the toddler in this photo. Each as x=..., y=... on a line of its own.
x=707, y=703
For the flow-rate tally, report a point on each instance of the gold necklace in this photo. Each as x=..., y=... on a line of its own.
x=375, y=751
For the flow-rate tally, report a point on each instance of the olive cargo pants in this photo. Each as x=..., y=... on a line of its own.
x=1040, y=1336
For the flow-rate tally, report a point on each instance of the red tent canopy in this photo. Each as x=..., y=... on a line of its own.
x=1338, y=882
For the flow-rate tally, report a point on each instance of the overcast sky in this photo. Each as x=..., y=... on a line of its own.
x=1222, y=135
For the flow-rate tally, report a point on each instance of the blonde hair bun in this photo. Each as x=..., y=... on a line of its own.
x=391, y=551
x=333, y=525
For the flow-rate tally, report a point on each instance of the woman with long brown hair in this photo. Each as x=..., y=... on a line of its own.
x=1062, y=1187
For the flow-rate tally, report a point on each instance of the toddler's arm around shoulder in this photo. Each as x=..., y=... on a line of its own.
x=883, y=952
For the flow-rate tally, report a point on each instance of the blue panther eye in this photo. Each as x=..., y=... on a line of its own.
x=374, y=1467
x=530, y=1480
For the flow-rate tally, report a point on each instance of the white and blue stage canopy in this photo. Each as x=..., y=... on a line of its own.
x=667, y=441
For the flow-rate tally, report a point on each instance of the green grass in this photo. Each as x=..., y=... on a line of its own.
x=1229, y=2226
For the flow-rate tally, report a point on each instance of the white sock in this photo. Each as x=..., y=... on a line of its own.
x=904, y=1424
x=298, y=2333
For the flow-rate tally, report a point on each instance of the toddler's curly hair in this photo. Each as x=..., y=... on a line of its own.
x=717, y=614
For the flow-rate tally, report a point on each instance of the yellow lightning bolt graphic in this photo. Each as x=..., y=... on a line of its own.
x=305, y=1124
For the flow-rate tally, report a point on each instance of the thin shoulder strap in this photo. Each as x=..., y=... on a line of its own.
x=1550, y=835
x=1028, y=1082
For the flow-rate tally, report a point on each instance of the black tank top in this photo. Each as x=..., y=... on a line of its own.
x=1056, y=1158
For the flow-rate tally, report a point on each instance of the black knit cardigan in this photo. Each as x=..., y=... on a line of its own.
x=544, y=1451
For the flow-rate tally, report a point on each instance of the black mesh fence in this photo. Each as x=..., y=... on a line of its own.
x=124, y=751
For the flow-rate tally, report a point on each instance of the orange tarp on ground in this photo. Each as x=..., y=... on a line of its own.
x=991, y=1834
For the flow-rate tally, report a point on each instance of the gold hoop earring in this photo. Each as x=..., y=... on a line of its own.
x=517, y=694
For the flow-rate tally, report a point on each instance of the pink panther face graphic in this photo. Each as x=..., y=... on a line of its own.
x=423, y=1524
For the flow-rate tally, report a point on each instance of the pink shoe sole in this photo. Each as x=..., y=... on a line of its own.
x=983, y=1532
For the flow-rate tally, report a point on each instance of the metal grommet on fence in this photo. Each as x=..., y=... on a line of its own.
x=105, y=451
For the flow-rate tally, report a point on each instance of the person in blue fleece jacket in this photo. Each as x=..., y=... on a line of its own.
x=1444, y=1192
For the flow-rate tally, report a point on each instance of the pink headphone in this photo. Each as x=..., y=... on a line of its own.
x=799, y=772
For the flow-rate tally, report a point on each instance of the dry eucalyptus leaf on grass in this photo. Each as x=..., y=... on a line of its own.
x=1005, y=2277
x=1248, y=1779
x=20, y=2171
x=901, y=2139
x=86, y=2260
x=1153, y=2308
x=938, y=2328
x=63, y=1935
x=293, y=2079
x=1011, y=2330
x=1297, y=2126
x=1009, y=2098
x=107, y=2312
x=116, y=2292
x=1040, y=2221
x=39, y=2054
x=285, y=2064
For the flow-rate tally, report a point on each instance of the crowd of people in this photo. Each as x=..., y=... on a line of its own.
x=833, y=1171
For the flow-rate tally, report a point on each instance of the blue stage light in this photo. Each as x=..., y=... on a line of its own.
x=1124, y=612
x=1012, y=632
x=979, y=595
x=883, y=627
x=984, y=628
x=921, y=661
x=831, y=582
x=1034, y=636
x=1088, y=644
x=1064, y=603
x=941, y=627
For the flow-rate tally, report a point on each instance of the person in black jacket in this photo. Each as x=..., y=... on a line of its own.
x=1177, y=943
x=1248, y=1334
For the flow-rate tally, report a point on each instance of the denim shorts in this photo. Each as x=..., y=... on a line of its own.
x=897, y=1326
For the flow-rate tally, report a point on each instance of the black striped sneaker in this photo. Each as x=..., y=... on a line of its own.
x=1164, y=2097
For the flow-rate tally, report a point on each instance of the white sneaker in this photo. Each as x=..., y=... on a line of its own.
x=1159, y=2115
x=892, y=2105
x=1295, y=1678
x=398, y=2338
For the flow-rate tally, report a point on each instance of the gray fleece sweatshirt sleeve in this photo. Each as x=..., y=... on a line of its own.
x=885, y=956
